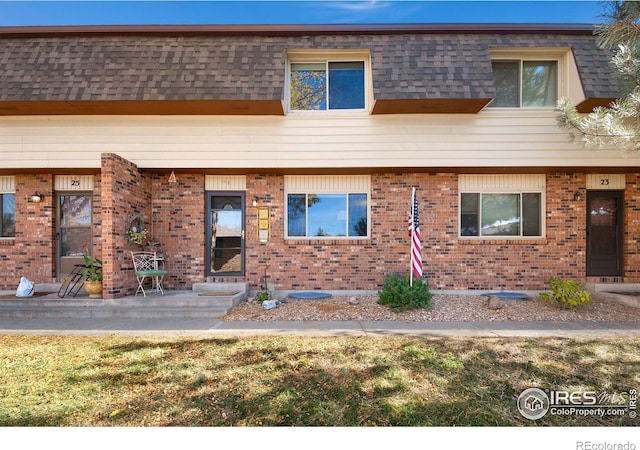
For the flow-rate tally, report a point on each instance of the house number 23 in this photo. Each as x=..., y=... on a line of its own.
x=604, y=182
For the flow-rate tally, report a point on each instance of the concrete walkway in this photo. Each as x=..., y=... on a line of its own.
x=209, y=326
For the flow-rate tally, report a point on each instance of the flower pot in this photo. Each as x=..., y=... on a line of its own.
x=93, y=288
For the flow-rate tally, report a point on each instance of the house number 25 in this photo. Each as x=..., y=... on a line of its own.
x=75, y=182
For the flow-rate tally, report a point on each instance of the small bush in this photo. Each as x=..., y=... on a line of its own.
x=262, y=296
x=566, y=294
x=400, y=296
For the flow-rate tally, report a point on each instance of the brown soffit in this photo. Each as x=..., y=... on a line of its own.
x=296, y=30
x=329, y=171
x=588, y=105
x=431, y=106
x=142, y=107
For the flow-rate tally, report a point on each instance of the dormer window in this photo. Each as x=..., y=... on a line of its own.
x=327, y=85
x=327, y=81
x=533, y=77
x=525, y=84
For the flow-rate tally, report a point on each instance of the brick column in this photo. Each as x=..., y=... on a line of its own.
x=125, y=191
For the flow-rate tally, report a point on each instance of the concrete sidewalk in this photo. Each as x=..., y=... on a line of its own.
x=212, y=326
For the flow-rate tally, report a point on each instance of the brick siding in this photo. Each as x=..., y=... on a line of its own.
x=176, y=213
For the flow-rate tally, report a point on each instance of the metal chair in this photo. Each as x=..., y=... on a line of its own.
x=145, y=266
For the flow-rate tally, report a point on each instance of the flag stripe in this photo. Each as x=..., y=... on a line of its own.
x=414, y=229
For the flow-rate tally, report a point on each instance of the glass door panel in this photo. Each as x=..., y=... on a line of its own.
x=604, y=233
x=74, y=230
x=225, y=240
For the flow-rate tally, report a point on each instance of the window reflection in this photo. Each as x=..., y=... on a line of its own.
x=8, y=207
x=327, y=215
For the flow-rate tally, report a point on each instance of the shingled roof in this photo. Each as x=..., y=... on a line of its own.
x=196, y=70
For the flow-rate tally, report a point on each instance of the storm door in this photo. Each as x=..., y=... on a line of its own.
x=605, y=233
x=225, y=233
x=74, y=229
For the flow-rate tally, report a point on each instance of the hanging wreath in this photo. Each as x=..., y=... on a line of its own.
x=136, y=231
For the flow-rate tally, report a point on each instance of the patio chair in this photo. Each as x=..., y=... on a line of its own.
x=145, y=265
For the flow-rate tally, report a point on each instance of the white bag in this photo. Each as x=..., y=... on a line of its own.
x=25, y=288
x=269, y=304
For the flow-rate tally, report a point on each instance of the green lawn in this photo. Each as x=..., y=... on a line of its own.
x=391, y=381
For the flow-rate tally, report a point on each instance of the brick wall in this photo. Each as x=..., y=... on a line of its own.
x=632, y=229
x=178, y=213
x=450, y=262
x=178, y=225
x=31, y=253
x=125, y=191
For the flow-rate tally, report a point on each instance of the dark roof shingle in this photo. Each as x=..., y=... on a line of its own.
x=418, y=66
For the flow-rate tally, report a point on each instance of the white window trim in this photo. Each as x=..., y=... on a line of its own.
x=561, y=55
x=327, y=56
x=326, y=184
x=503, y=184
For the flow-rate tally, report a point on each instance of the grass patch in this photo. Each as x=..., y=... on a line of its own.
x=270, y=381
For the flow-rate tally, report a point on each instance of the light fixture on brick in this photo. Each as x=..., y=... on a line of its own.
x=37, y=197
x=172, y=177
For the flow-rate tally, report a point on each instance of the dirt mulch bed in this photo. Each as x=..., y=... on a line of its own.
x=445, y=308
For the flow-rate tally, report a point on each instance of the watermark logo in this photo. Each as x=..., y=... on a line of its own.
x=534, y=403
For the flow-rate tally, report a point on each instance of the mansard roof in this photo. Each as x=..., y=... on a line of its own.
x=241, y=69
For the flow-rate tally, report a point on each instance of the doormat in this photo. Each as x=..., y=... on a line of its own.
x=35, y=294
x=309, y=295
x=218, y=293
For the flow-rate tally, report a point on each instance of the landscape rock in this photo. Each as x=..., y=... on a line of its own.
x=444, y=308
x=495, y=303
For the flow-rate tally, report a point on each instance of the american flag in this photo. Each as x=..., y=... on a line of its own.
x=414, y=232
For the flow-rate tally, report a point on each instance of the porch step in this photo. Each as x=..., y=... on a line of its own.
x=174, y=304
x=623, y=293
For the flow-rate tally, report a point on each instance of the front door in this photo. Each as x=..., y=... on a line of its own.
x=605, y=233
x=74, y=227
x=225, y=233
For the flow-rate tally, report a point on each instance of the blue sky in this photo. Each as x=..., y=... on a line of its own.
x=294, y=12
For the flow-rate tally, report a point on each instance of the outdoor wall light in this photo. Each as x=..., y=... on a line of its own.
x=37, y=197
x=255, y=201
x=577, y=196
x=172, y=177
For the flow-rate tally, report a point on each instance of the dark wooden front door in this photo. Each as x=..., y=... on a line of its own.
x=605, y=231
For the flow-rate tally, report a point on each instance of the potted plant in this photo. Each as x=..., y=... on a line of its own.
x=92, y=276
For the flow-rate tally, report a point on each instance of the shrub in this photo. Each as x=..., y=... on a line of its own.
x=566, y=293
x=262, y=296
x=400, y=296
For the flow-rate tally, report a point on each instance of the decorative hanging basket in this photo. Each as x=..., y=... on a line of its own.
x=136, y=231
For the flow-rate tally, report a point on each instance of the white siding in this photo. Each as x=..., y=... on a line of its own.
x=225, y=183
x=606, y=181
x=495, y=138
x=74, y=183
x=7, y=184
x=326, y=184
x=502, y=183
